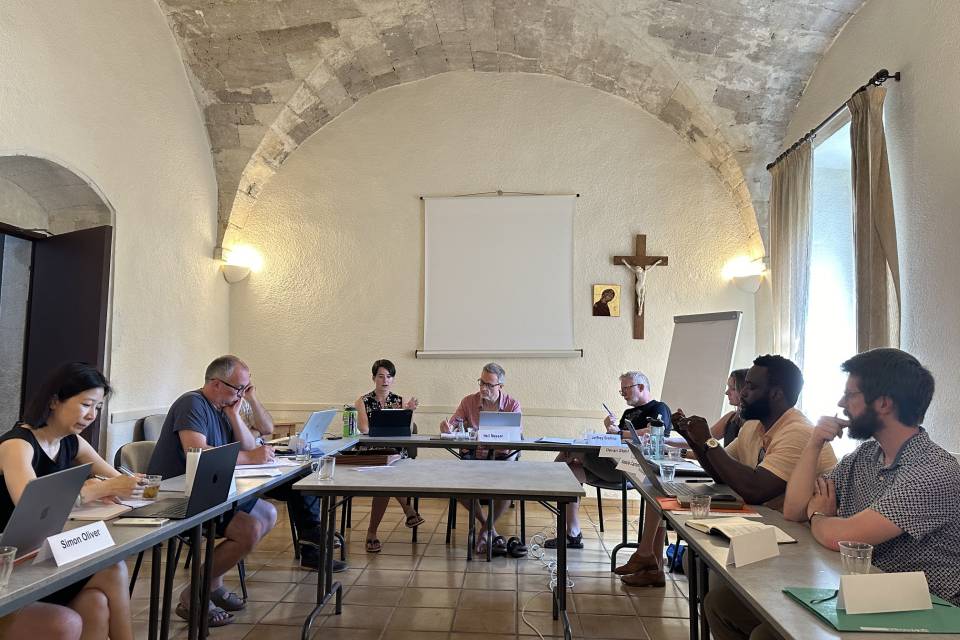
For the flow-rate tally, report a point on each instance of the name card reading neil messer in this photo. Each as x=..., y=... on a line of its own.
x=499, y=434
x=76, y=544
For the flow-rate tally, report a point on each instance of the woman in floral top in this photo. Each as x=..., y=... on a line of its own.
x=382, y=398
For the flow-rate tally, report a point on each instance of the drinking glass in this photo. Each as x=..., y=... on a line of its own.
x=324, y=468
x=673, y=455
x=302, y=450
x=7, y=556
x=151, y=487
x=668, y=470
x=700, y=506
x=855, y=557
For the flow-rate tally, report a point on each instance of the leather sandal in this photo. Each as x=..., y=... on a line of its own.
x=227, y=600
x=373, y=545
x=414, y=520
x=499, y=546
x=216, y=617
x=516, y=548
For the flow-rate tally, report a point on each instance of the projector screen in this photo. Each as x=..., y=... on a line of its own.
x=498, y=276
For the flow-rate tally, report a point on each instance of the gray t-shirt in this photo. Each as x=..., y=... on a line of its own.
x=192, y=412
x=920, y=493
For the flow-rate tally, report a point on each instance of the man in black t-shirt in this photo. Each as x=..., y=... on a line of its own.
x=591, y=468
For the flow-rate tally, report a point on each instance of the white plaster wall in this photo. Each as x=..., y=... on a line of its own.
x=102, y=91
x=340, y=228
x=923, y=141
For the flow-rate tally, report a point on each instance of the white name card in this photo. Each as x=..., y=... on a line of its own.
x=604, y=439
x=499, y=434
x=617, y=453
x=884, y=592
x=629, y=464
x=75, y=544
x=755, y=546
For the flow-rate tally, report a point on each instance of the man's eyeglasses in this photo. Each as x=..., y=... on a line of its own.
x=487, y=385
x=239, y=390
x=623, y=390
x=850, y=394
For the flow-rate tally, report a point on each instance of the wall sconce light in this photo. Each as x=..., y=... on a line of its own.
x=240, y=261
x=745, y=273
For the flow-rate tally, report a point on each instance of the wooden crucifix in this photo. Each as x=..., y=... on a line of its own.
x=639, y=263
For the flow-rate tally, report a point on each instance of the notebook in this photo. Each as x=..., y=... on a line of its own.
x=734, y=526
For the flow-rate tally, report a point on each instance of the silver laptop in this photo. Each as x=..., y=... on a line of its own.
x=679, y=489
x=43, y=509
x=500, y=419
x=314, y=429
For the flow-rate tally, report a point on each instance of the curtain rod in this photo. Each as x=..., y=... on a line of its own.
x=500, y=192
x=878, y=79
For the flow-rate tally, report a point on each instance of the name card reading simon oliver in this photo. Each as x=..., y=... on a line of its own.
x=76, y=544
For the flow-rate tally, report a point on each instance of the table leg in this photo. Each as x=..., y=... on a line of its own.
x=523, y=521
x=154, y=591
x=207, y=577
x=703, y=585
x=490, y=528
x=560, y=593
x=325, y=584
x=193, y=624
x=168, y=576
x=693, y=597
x=472, y=529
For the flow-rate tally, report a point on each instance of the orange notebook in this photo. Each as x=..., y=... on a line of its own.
x=671, y=504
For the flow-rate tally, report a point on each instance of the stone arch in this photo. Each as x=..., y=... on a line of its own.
x=44, y=197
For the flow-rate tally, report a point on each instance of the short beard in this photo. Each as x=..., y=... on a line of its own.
x=757, y=410
x=864, y=426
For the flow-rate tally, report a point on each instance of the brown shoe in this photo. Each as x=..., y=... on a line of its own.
x=637, y=563
x=649, y=578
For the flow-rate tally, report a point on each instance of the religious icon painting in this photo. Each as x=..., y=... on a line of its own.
x=606, y=300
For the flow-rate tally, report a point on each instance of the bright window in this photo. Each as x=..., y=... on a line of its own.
x=830, y=336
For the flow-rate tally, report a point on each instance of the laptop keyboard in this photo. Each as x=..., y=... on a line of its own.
x=175, y=509
x=687, y=489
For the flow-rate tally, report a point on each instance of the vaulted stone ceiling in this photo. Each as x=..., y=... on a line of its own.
x=726, y=75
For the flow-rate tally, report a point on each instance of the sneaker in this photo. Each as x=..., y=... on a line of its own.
x=573, y=542
x=313, y=536
x=310, y=560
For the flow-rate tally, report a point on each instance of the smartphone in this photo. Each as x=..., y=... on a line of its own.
x=140, y=522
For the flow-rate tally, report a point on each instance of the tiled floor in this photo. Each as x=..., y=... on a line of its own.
x=428, y=591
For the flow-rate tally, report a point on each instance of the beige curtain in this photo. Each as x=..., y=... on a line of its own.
x=874, y=231
x=790, y=203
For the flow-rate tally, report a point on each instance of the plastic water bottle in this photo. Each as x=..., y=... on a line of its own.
x=457, y=427
x=656, y=437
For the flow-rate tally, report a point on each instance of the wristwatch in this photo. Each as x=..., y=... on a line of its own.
x=817, y=513
x=712, y=443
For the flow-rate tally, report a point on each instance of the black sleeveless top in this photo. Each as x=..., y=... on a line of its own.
x=41, y=463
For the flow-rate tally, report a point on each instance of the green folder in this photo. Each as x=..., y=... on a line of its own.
x=942, y=618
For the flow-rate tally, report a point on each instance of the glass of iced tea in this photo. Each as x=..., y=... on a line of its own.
x=152, y=487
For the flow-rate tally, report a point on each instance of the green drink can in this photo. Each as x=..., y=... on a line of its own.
x=349, y=421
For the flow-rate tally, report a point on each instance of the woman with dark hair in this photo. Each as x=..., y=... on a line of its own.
x=728, y=427
x=383, y=398
x=44, y=442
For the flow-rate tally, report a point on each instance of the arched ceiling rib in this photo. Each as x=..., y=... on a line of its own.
x=725, y=74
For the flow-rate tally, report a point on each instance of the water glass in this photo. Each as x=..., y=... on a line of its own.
x=151, y=487
x=700, y=506
x=668, y=470
x=303, y=450
x=673, y=455
x=7, y=556
x=855, y=557
x=324, y=468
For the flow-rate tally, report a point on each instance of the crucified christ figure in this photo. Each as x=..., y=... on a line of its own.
x=641, y=276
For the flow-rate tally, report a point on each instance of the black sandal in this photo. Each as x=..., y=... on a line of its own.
x=516, y=548
x=499, y=546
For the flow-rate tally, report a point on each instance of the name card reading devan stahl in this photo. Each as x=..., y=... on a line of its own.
x=748, y=548
x=499, y=434
x=76, y=544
